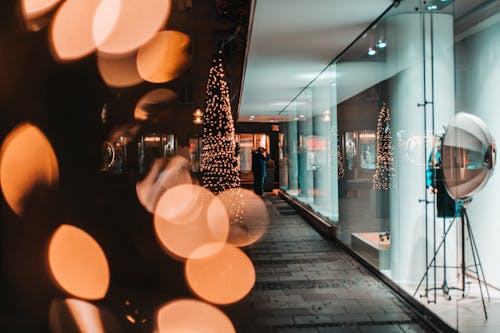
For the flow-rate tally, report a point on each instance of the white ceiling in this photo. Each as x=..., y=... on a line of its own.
x=291, y=42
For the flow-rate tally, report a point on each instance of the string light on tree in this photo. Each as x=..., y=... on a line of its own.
x=219, y=162
x=340, y=160
x=384, y=169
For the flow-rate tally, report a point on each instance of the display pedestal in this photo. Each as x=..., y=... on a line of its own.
x=373, y=249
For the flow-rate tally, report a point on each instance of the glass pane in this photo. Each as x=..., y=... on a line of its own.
x=477, y=78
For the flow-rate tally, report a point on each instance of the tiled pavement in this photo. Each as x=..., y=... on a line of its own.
x=307, y=284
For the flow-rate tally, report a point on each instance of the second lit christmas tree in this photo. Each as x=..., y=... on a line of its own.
x=384, y=169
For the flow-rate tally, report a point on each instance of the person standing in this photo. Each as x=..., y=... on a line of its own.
x=259, y=159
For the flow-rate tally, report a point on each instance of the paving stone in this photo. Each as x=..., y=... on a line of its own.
x=381, y=329
x=305, y=283
x=391, y=316
x=318, y=297
x=313, y=319
x=285, y=312
x=339, y=329
x=286, y=298
x=331, y=310
x=367, y=309
x=298, y=330
x=352, y=318
x=274, y=321
x=413, y=328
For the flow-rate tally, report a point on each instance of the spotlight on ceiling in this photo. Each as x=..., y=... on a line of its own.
x=381, y=44
x=437, y=4
x=372, y=51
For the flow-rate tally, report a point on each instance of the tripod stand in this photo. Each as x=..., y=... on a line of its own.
x=478, y=267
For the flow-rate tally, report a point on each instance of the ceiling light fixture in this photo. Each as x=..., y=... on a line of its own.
x=433, y=5
x=372, y=51
x=381, y=44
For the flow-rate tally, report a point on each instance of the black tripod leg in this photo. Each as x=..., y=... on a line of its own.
x=433, y=258
x=473, y=250
x=444, y=287
x=478, y=258
x=434, y=249
x=462, y=218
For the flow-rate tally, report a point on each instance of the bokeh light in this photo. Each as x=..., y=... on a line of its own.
x=154, y=103
x=162, y=176
x=248, y=216
x=164, y=57
x=72, y=315
x=182, y=221
x=136, y=24
x=118, y=72
x=36, y=8
x=71, y=31
x=27, y=161
x=105, y=19
x=78, y=264
x=181, y=201
x=185, y=315
x=224, y=277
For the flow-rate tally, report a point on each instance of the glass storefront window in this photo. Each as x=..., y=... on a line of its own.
x=361, y=146
x=407, y=76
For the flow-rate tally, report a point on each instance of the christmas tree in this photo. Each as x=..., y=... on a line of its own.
x=340, y=160
x=385, y=158
x=218, y=159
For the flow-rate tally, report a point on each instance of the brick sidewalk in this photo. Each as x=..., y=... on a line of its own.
x=307, y=284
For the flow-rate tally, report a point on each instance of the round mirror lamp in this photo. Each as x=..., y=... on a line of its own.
x=467, y=156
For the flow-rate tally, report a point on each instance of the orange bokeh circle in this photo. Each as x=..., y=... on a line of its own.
x=248, y=216
x=121, y=27
x=20, y=173
x=186, y=315
x=224, y=277
x=164, y=57
x=36, y=8
x=118, y=71
x=183, y=221
x=78, y=264
x=71, y=30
